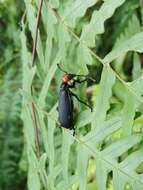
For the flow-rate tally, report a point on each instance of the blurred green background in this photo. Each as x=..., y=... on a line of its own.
x=12, y=173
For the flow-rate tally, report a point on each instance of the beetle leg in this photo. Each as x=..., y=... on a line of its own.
x=73, y=128
x=73, y=85
x=73, y=131
x=80, y=81
x=77, y=81
x=81, y=100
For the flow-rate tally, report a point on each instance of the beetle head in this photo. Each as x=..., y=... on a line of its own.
x=68, y=78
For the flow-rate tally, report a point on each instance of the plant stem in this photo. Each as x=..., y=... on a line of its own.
x=37, y=142
x=36, y=37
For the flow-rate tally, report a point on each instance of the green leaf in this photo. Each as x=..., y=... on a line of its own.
x=33, y=171
x=103, y=130
x=84, y=55
x=132, y=161
x=119, y=180
x=76, y=9
x=132, y=44
x=137, y=89
x=63, y=163
x=54, y=3
x=67, y=141
x=103, y=95
x=101, y=174
x=86, y=150
x=131, y=29
x=108, y=157
x=84, y=118
x=42, y=161
x=45, y=87
x=92, y=186
x=82, y=166
x=136, y=67
x=96, y=25
x=128, y=113
x=118, y=148
x=63, y=39
x=51, y=22
x=73, y=179
x=51, y=154
x=33, y=180
x=32, y=26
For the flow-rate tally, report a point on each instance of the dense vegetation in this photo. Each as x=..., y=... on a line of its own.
x=12, y=176
x=102, y=38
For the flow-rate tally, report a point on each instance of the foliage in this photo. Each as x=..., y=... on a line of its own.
x=11, y=141
x=70, y=33
x=100, y=37
x=109, y=135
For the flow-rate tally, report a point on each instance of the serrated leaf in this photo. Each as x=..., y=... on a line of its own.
x=118, y=180
x=32, y=26
x=42, y=161
x=103, y=130
x=73, y=179
x=118, y=148
x=84, y=56
x=103, y=95
x=77, y=9
x=64, y=38
x=108, y=157
x=84, y=118
x=132, y=161
x=51, y=21
x=130, y=30
x=43, y=93
x=51, y=155
x=132, y=44
x=101, y=174
x=54, y=3
x=67, y=141
x=137, y=89
x=33, y=180
x=56, y=170
x=33, y=170
x=92, y=186
x=82, y=166
x=136, y=67
x=128, y=112
x=96, y=25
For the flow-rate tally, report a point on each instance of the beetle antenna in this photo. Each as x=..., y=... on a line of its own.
x=87, y=77
x=58, y=65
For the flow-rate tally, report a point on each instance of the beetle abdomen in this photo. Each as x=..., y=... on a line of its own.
x=65, y=109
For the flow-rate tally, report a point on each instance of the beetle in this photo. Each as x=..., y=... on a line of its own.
x=65, y=103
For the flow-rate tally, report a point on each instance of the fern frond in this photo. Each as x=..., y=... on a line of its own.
x=107, y=160
x=62, y=163
x=96, y=25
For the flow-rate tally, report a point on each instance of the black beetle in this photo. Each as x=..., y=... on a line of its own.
x=65, y=104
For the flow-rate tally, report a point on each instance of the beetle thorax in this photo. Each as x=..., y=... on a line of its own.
x=67, y=79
